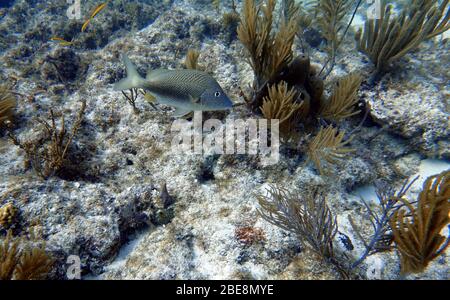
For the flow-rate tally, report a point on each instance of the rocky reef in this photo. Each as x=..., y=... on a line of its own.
x=132, y=207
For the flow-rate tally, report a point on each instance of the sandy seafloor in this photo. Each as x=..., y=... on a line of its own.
x=108, y=213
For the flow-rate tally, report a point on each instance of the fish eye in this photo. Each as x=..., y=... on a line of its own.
x=217, y=94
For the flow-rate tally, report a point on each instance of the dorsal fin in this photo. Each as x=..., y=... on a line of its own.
x=153, y=73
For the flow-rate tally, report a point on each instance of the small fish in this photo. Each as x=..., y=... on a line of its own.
x=85, y=25
x=186, y=90
x=96, y=10
x=61, y=41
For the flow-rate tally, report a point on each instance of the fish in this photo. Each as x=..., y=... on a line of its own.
x=61, y=41
x=186, y=90
x=85, y=25
x=96, y=10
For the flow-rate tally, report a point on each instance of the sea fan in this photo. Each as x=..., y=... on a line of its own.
x=343, y=100
x=331, y=21
x=268, y=52
x=191, y=60
x=308, y=217
x=28, y=263
x=281, y=105
x=328, y=146
x=389, y=38
x=417, y=229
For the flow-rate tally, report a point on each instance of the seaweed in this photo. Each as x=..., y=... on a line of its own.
x=343, y=100
x=389, y=38
x=7, y=105
x=328, y=146
x=48, y=157
x=416, y=229
x=20, y=259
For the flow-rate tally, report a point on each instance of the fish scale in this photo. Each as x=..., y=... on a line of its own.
x=179, y=83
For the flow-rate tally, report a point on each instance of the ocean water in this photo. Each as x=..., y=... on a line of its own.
x=142, y=139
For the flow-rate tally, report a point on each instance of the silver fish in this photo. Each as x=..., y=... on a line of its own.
x=186, y=90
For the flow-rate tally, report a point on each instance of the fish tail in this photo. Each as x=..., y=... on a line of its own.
x=133, y=79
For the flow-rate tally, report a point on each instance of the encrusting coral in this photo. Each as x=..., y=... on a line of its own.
x=8, y=213
x=417, y=229
x=390, y=37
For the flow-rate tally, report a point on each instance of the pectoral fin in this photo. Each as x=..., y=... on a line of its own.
x=194, y=100
x=179, y=112
x=149, y=97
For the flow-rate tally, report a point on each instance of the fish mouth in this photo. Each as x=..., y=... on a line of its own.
x=225, y=106
x=228, y=104
x=222, y=105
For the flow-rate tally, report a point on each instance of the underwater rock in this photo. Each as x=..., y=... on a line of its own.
x=124, y=157
x=62, y=65
x=88, y=220
x=313, y=37
x=417, y=113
